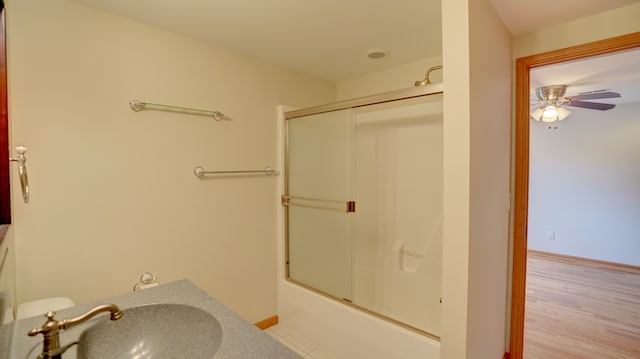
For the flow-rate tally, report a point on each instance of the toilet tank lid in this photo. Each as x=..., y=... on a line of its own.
x=42, y=306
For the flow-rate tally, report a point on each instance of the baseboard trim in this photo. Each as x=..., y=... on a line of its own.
x=584, y=261
x=269, y=322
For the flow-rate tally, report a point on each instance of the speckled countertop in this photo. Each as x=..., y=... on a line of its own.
x=240, y=339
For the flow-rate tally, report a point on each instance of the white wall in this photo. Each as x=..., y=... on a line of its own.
x=583, y=185
x=113, y=193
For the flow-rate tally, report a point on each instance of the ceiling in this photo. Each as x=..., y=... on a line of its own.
x=329, y=39
x=523, y=16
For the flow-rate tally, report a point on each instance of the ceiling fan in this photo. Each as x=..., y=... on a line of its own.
x=551, y=102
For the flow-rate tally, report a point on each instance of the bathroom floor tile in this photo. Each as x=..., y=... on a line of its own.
x=305, y=345
x=320, y=354
x=298, y=344
x=278, y=331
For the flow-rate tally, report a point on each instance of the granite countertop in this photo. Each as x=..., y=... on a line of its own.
x=240, y=339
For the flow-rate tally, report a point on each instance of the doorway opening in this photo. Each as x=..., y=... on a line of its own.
x=522, y=163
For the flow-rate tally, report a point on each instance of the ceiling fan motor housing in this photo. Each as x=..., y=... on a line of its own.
x=551, y=93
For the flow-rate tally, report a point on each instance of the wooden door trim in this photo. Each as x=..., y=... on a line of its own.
x=5, y=191
x=521, y=186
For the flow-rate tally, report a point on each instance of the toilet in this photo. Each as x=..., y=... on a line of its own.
x=42, y=306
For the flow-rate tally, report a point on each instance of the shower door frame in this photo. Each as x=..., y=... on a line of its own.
x=398, y=95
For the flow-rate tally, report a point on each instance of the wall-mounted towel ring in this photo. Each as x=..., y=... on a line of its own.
x=22, y=170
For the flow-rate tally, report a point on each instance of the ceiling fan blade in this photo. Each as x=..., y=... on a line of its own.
x=591, y=105
x=593, y=96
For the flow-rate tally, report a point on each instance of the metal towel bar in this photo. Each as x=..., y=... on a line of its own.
x=268, y=171
x=139, y=106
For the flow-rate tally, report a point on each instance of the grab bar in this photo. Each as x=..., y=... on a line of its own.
x=411, y=254
x=139, y=106
x=268, y=171
x=349, y=206
x=22, y=171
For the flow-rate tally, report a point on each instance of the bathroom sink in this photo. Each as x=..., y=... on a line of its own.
x=153, y=331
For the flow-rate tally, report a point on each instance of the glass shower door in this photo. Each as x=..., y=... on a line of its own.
x=398, y=227
x=319, y=193
x=385, y=256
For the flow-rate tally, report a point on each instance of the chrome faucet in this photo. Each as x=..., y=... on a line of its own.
x=51, y=344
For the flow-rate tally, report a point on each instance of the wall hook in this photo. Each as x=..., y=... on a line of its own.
x=22, y=170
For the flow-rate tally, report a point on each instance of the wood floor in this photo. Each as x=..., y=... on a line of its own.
x=577, y=309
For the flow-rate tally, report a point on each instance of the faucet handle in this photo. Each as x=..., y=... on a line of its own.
x=50, y=325
x=50, y=315
x=35, y=331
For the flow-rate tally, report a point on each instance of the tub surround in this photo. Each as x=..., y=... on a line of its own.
x=240, y=338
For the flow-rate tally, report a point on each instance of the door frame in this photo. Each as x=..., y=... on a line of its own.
x=5, y=190
x=521, y=185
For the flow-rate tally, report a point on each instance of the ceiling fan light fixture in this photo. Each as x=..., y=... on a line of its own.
x=563, y=113
x=537, y=114
x=551, y=102
x=550, y=114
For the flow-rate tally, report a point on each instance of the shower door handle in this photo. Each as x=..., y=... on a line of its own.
x=325, y=204
x=22, y=171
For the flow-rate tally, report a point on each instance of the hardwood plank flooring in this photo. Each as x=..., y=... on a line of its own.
x=580, y=309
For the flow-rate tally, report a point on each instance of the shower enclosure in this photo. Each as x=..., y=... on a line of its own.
x=363, y=197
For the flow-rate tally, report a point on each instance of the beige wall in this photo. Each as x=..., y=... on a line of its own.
x=457, y=112
x=490, y=124
x=477, y=65
x=601, y=26
x=113, y=193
